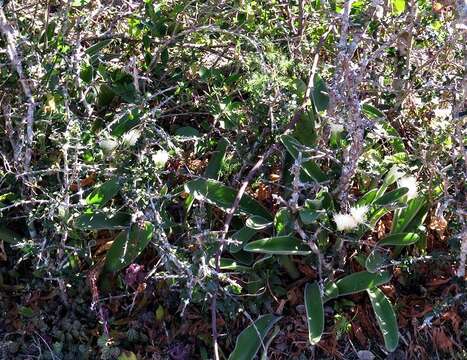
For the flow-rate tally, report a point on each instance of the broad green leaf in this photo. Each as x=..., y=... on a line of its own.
x=371, y=112
x=331, y=291
x=127, y=246
x=398, y=6
x=395, y=140
x=400, y=239
x=103, y=193
x=94, y=49
x=305, y=129
x=250, y=340
x=229, y=264
x=188, y=203
x=309, y=216
x=373, y=217
x=268, y=343
x=105, y=95
x=26, y=311
x=280, y=245
x=310, y=170
x=392, y=176
x=127, y=355
x=244, y=257
x=243, y=235
x=386, y=318
x=256, y=222
x=391, y=197
x=187, y=131
x=7, y=197
x=299, y=88
x=368, y=198
x=79, y=3
x=129, y=120
x=361, y=281
x=375, y=260
x=100, y=221
x=283, y=222
x=314, y=312
x=223, y=197
x=289, y=266
x=265, y=261
x=410, y=217
x=214, y=165
x=9, y=236
x=320, y=94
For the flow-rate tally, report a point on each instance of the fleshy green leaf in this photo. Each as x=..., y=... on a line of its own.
x=268, y=343
x=249, y=341
x=127, y=246
x=230, y=264
x=375, y=260
x=392, y=176
x=129, y=120
x=314, y=312
x=103, y=193
x=309, y=216
x=279, y=245
x=310, y=170
x=187, y=131
x=410, y=217
x=320, y=93
x=331, y=291
x=361, y=281
x=283, y=222
x=94, y=49
x=256, y=222
x=99, y=221
x=368, y=198
x=243, y=235
x=305, y=129
x=214, y=165
x=400, y=239
x=398, y=6
x=223, y=197
x=9, y=236
x=391, y=197
x=371, y=112
x=386, y=318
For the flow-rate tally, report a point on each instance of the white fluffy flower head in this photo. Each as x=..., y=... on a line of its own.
x=345, y=222
x=359, y=213
x=131, y=137
x=160, y=157
x=410, y=182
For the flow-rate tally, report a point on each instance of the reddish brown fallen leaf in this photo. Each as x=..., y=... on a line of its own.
x=441, y=340
x=389, y=290
x=294, y=296
x=357, y=332
x=380, y=230
x=438, y=224
x=307, y=270
x=437, y=282
x=263, y=192
x=274, y=177
x=454, y=318
x=87, y=181
x=451, y=289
